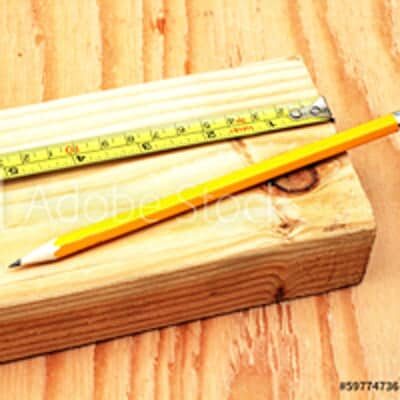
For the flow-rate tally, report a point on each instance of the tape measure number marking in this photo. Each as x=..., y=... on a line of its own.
x=33, y=161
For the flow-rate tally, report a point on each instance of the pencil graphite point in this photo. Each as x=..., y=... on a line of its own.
x=15, y=264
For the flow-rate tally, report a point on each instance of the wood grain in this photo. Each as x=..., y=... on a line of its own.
x=241, y=252
x=296, y=350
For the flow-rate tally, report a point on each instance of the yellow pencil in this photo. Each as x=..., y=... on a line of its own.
x=209, y=191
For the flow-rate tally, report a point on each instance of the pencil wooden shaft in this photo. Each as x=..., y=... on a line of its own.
x=226, y=185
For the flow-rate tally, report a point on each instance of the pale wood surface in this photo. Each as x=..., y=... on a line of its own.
x=296, y=350
x=240, y=252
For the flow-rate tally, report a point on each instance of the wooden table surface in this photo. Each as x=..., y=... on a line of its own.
x=296, y=350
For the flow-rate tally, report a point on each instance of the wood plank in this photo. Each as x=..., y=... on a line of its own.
x=240, y=252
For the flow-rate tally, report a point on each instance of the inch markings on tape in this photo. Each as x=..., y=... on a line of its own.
x=31, y=161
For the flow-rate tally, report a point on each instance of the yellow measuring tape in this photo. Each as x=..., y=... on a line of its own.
x=139, y=142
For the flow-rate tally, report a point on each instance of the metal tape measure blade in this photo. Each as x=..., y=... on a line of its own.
x=94, y=150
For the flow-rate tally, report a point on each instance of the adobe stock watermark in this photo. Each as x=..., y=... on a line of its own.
x=78, y=206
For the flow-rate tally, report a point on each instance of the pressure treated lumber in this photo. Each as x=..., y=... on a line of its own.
x=261, y=246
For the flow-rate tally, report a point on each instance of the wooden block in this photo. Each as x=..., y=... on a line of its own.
x=261, y=246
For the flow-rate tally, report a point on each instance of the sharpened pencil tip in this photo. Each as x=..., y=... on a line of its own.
x=15, y=264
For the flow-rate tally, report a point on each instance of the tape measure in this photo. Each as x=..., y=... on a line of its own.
x=139, y=142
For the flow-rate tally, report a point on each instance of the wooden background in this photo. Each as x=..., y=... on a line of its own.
x=296, y=350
